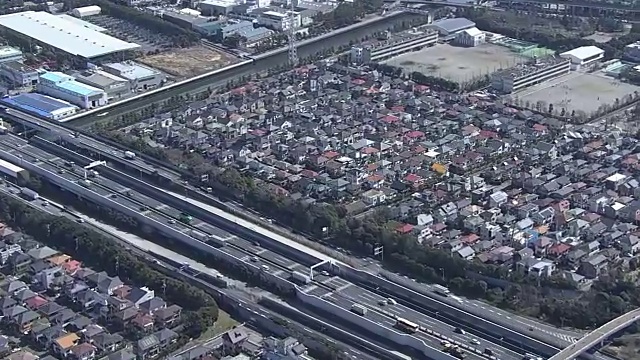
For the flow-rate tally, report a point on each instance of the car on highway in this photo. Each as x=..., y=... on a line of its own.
x=475, y=341
x=444, y=343
x=459, y=331
x=254, y=259
x=171, y=221
x=391, y=301
x=488, y=351
x=382, y=302
x=325, y=273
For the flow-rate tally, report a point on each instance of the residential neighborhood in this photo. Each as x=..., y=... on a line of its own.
x=466, y=173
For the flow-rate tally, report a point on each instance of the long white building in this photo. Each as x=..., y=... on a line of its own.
x=65, y=87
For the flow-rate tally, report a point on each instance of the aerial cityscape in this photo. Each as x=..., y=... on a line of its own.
x=301, y=179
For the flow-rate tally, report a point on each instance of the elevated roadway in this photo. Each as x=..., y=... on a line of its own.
x=598, y=335
x=326, y=286
x=479, y=323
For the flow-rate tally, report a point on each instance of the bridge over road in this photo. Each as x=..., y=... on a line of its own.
x=588, y=341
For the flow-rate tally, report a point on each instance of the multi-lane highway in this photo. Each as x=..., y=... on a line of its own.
x=330, y=287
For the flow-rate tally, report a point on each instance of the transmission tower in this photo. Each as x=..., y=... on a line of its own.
x=291, y=38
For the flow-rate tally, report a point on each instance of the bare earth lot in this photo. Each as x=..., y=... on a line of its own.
x=578, y=91
x=189, y=62
x=457, y=64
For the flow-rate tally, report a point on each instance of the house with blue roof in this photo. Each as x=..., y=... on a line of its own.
x=65, y=87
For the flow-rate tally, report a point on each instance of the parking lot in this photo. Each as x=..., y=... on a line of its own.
x=122, y=29
x=578, y=91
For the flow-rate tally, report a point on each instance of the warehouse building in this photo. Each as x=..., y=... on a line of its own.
x=41, y=105
x=19, y=75
x=65, y=87
x=447, y=27
x=471, y=37
x=528, y=74
x=115, y=87
x=216, y=7
x=140, y=77
x=8, y=53
x=86, y=11
x=60, y=35
x=395, y=46
x=583, y=56
x=80, y=22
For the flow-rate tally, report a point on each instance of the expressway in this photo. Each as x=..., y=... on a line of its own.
x=523, y=325
x=597, y=335
x=242, y=293
x=332, y=287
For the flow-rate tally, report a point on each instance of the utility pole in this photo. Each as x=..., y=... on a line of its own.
x=291, y=38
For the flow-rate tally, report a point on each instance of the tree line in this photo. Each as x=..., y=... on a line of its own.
x=554, y=299
x=94, y=250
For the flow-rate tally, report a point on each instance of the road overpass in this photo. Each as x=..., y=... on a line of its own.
x=598, y=335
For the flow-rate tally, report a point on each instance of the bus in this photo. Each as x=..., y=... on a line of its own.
x=186, y=218
x=407, y=326
x=441, y=290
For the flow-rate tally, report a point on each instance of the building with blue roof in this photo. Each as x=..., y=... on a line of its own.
x=65, y=87
x=40, y=105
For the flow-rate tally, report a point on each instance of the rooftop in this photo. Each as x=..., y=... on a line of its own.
x=39, y=104
x=584, y=52
x=8, y=51
x=99, y=78
x=9, y=166
x=64, y=35
x=131, y=70
x=68, y=83
x=82, y=23
x=454, y=25
x=524, y=69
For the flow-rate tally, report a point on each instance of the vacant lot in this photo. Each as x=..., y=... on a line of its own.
x=457, y=63
x=578, y=91
x=189, y=62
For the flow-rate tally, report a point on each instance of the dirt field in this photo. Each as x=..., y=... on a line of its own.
x=457, y=63
x=578, y=91
x=189, y=62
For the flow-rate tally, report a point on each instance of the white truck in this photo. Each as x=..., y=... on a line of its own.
x=300, y=277
x=129, y=155
x=359, y=309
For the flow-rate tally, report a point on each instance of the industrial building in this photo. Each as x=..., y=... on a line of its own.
x=395, y=46
x=83, y=23
x=85, y=11
x=583, y=56
x=8, y=53
x=140, y=77
x=216, y=7
x=471, y=37
x=114, y=86
x=528, y=74
x=246, y=30
x=65, y=87
x=280, y=21
x=41, y=105
x=61, y=35
x=447, y=27
x=19, y=75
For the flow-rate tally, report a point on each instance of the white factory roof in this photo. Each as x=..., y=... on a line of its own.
x=64, y=35
x=583, y=52
x=84, y=24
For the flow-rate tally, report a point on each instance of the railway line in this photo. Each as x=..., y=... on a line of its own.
x=326, y=286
